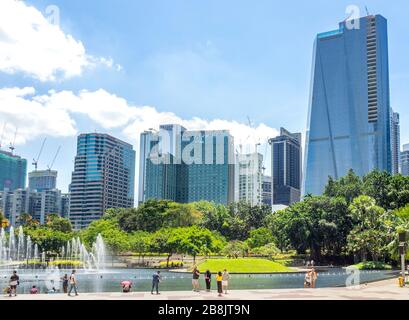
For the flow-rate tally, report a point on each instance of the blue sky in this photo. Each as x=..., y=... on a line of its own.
x=209, y=59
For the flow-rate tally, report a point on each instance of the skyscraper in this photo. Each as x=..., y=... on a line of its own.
x=286, y=167
x=186, y=166
x=249, y=178
x=349, y=111
x=42, y=180
x=103, y=177
x=13, y=171
x=267, y=187
x=395, y=142
x=404, y=160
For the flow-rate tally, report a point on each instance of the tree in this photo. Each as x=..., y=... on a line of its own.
x=235, y=249
x=369, y=235
x=260, y=237
x=115, y=239
x=348, y=187
x=181, y=215
x=267, y=250
x=4, y=223
x=47, y=240
x=27, y=220
x=56, y=223
x=140, y=242
x=162, y=242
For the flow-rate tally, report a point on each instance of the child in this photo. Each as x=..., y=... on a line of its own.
x=219, y=279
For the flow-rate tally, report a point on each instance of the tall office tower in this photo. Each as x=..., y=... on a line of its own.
x=349, y=111
x=249, y=178
x=286, y=167
x=186, y=166
x=404, y=160
x=103, y=177
x=13, y=171
x=395, y=142
x=42, y=180
x=267, y=187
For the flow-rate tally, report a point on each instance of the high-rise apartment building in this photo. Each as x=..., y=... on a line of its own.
x=249, y=178
x=13, y=171
x=42, y=180
x=103, y=177
x=186, y=166
x=286, y=167
x=349, y=123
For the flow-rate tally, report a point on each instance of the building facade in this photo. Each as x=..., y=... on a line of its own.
x=249, y=178
x=395, y=142
x=286, y=167
x=267, y=187
x=186, y=166
x=13, y=171
x=404, y=160
x=349, y=109
x=42, y=180
x=103, y=178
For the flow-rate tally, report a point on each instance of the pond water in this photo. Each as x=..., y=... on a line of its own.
x=109, y=280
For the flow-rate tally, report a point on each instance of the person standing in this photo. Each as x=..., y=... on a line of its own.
x=65, y=283
x=73, y=283
x=307, y=279
x=14, y=282
x=219, y=279
x=208, y=280
x=195, y=279
x=156, y=278
x=225, y=280
x=314, y=277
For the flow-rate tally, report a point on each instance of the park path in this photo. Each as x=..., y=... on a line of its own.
x=381, y=290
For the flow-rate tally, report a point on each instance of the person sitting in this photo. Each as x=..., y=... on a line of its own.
x=126, y=286
x=34, y=290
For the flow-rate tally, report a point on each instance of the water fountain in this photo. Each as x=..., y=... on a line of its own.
x=18, y=251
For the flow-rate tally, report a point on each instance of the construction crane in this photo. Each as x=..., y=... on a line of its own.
x=55, y=157
x=12, y=144
x=252, y=127
x=2, y=134
x=35, y=162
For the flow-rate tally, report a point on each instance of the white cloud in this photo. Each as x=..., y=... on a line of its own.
x=54, y=114
x=30, y=44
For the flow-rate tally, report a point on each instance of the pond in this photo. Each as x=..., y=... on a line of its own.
x=109, y=280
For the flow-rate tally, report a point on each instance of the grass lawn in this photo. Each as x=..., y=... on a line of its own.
x=243, y=265
x=372, y=265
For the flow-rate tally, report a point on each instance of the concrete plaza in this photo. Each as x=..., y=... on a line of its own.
x=381, y=290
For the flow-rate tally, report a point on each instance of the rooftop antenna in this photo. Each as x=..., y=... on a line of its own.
x=367, y=11
x=35, y=162
x=55, y=157
x=12, y=144
x=2, y=133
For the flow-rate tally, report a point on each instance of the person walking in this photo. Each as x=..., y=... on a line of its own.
x=14, y=282
x=225, y=280
x=156, y=278
x=73, y=283
x=208, y=280
x=195, y=279
x=65, y=283
x=219, y=279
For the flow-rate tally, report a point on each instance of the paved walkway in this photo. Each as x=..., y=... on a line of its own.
x=385, y=290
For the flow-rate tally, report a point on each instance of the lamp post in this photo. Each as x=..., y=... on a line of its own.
x=402, y=251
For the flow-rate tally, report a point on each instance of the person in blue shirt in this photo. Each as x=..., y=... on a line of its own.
x=156, y=278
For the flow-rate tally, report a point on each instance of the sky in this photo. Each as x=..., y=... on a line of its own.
x=121, y=67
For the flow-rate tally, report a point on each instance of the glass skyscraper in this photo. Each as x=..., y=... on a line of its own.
x=103, y=178
x=286, y=167
x=395, y=141
x=404, y=160
x=13, y=171
x=349, y=123
x=165, y=173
